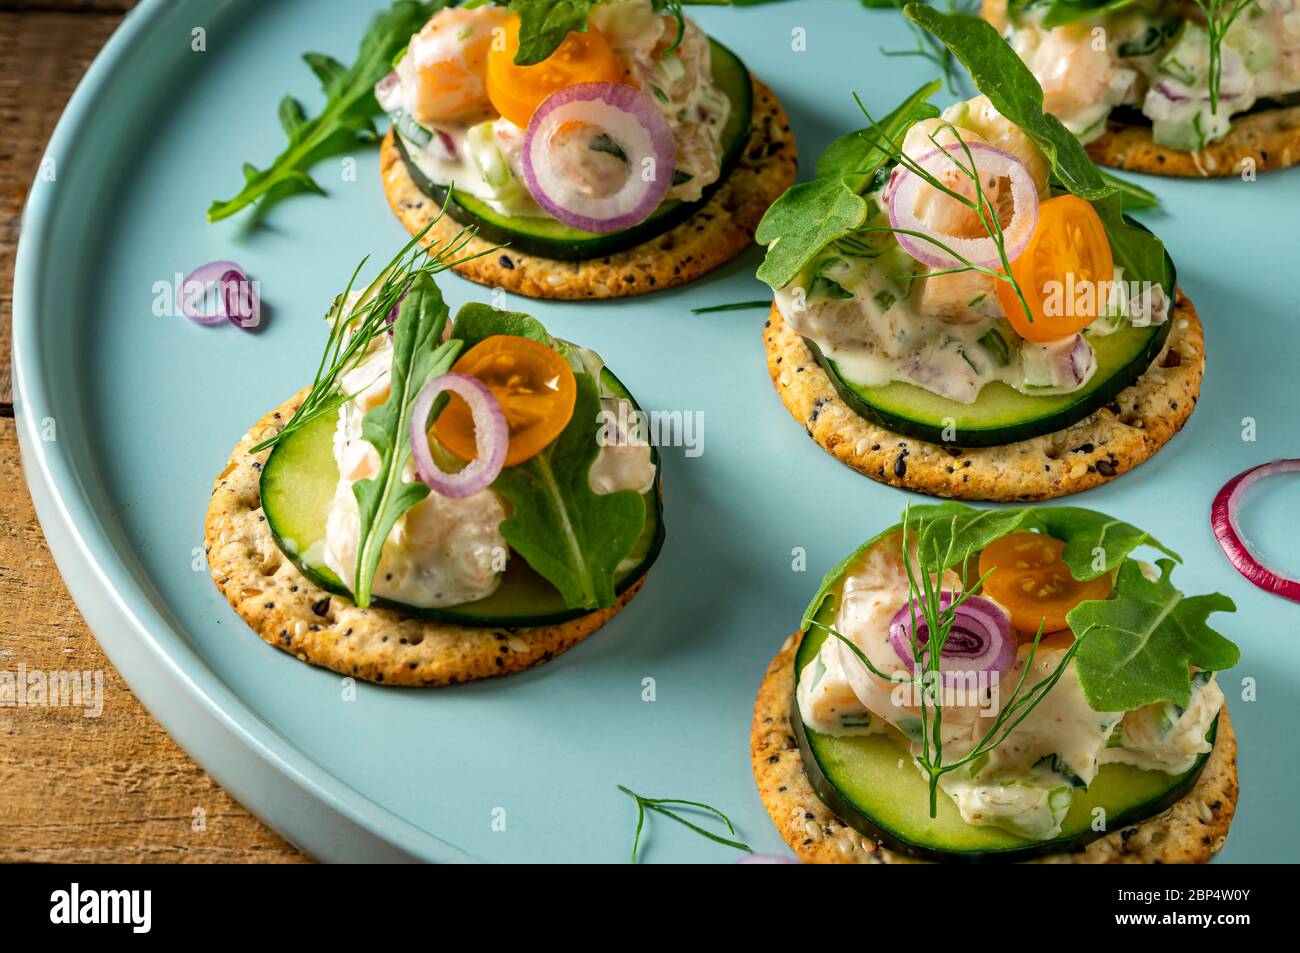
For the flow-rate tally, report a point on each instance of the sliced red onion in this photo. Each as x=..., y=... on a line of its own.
x=980, y=639
x=236, y=297
x=627, y=116
x=491, y=436
x=905, y=187
x=448, y=145
x=1223, y=519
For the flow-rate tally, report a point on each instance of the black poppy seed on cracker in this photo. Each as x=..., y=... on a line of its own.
x=506, y=263
x=900, y=465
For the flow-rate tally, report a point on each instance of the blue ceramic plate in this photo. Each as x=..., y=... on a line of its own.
x=145, y=410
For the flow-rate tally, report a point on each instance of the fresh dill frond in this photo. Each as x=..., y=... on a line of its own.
x=734, y=306
x=352, y=333
x=657, y=805
x=1219, y=17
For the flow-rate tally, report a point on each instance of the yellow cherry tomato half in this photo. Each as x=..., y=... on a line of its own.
x=1064, y=272
x=517, y=91
x=534, y=386
x=1029, y=579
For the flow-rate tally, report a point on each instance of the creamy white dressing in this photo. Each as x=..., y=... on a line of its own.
x=483, y=155
x=1084, y=80
x=882, y=317
x=1026, y=784
x=441, y=551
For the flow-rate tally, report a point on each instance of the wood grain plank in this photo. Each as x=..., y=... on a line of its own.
x=68, y=6
x=42, y=57
x=93, y=789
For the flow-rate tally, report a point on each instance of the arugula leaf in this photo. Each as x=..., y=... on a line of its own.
x=343, y=124
x=543, y=25
x=998, y=72
x=562, y=528
x=418, y=357
x=1134, y=648
x=1061, y=12
x=950, y=533
x=811, y=215
x=476, y=321
x=1134, y=196
x=1135, y=249
x=1085, y=531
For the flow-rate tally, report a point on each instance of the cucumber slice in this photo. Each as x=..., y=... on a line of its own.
x=549, y=238
x=871, y=784
x=298, y=484
x=1001, y=414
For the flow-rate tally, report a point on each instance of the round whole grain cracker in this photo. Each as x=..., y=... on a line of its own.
x=714, y=235
x=1190, y=832
x=379, y=645
x=1111, y=441
x=1261, y=141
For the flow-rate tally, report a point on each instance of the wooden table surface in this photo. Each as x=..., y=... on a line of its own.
x=113, y=788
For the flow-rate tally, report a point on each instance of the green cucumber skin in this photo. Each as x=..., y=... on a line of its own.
x=999, y=436
x=452, y=617
x=847, y=812
x=598, y=246
x=449, y=615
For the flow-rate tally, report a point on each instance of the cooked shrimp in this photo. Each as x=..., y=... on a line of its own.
x=980, y=116
x=449, y=56
x=1075, y=74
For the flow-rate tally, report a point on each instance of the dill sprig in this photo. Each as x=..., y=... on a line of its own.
x=733, y=306
x=928, y=46
x=656, y=804
x=924, y=589
x=1219, y=17
x=350, y=336
x=981, y=205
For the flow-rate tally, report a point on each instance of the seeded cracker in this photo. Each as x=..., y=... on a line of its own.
x=378, y=645
x=1141, y=420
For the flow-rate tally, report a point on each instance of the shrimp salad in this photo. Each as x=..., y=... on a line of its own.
x=462, y=105
x=1026, y=784
x=1155, y=57
x=883, y=314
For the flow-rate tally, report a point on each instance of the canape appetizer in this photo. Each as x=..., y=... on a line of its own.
x=1004, y=685
x=1171, y=87
x=611, y=149
x=961, y=306
x=446, y=501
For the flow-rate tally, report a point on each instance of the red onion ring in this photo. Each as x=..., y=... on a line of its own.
x=980, y=639
x=491, y=435
x=1223, y=520
x=631, y=118
x=905, y=187
x=237, y=299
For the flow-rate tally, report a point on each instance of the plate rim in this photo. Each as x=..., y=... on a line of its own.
x=261, y=768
